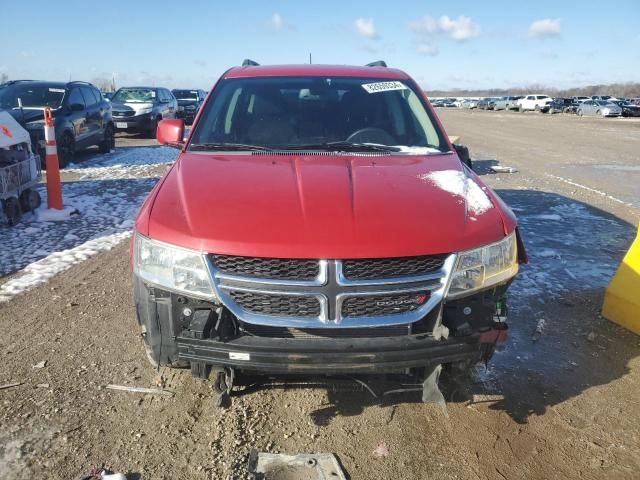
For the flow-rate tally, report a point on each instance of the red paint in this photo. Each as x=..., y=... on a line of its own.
x=329, y=207
x=494, y=336
x=170, y=132
x=54, y=187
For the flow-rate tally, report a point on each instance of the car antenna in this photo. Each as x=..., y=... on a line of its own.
x=310, y=62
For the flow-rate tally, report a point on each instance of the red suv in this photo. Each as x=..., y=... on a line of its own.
x=319, y=221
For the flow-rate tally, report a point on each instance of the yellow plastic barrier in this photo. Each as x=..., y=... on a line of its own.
x=622, y=298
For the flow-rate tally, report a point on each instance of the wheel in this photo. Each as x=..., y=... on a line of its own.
x=66, y=149
x=12, y=210
x=30, y=200
x=537, y=108
x=598, y=112
x=154, y=127
x=520, y=109
x=579, y=112
x=109, y=141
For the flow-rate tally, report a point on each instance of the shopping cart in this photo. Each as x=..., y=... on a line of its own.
x=20, y=170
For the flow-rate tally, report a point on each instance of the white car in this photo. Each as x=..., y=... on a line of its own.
x=539, y=103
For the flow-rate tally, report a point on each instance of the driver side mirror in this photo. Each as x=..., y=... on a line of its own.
x=171, y=132
x=463, y=154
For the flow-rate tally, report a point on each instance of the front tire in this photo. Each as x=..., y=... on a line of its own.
x=30, y=200
x=66, y=150
x=109, y=141
x=12, y=210
x=154, y=128
x=579, y=112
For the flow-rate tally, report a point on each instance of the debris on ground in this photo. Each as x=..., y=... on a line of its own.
x=381, y=450
x=39, y=365
x=501, y=169
x=539, y=330
x=154, y=391
x=10, y=385
x=274, y=466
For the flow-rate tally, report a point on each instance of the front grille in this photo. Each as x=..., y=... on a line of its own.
x=376, y=305
x=279, y=305
x=324, y=333
x=124, y=114
x=376, y=268
x=269, y=268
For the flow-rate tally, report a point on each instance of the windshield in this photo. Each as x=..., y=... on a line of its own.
x=185, y=94
x=31, y=96
x=134, y=95
x=602, y=102
x=314, y=111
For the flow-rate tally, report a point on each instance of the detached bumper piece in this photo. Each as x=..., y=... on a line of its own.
x=331, y=356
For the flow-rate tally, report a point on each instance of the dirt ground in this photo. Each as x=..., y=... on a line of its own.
x=564, y=406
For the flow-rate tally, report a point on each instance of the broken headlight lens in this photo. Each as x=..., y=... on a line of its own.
x=484, y=267
x=174, y=268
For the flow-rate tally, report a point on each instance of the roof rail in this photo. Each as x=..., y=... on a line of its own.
x=247, y=62
x=81, y=82
x=377, y=63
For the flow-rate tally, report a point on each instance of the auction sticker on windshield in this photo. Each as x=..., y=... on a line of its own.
x=383, y=86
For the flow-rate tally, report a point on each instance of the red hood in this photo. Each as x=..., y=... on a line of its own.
x=313, y=206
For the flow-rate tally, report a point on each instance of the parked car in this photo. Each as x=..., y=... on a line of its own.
x=539, y=103
x=139, y=109
x=599, y=107
x=189, y=102
x=449, y=103
x=629, y=109
x=255, y=253
x=82, y=117
x=469, y=103
x=501, y=103
x=563, y=105
x=513, y=102
x=484, y=104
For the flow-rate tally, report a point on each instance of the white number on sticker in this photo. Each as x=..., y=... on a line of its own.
x=383, y=86
x=239, y=356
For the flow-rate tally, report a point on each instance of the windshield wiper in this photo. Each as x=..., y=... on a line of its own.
x=229, y=147
x=342, y=146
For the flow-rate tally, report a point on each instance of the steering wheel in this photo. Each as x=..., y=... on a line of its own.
x=371, y=135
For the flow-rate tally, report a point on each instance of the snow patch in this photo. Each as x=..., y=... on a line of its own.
x=46, y=268
x=43, y=214
x=553, y=217
x=460, y=185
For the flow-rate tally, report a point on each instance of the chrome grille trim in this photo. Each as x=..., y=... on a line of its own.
x=331, y=289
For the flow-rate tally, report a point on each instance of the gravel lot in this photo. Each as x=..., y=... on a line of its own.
x=564, y=406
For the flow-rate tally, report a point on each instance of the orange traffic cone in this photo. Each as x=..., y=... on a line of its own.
x=54, y=189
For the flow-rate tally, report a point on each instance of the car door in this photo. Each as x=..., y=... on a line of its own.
x=588, y=107
x=75, y=110
x=94, y=115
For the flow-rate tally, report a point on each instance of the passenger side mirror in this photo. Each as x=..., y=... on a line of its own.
x=463, y=154
x=171, y=132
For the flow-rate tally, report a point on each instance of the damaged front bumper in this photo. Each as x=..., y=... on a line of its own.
x=330, y=356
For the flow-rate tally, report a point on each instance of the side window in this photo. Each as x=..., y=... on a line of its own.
x=157, y=95
x=75, y=97
x=89, y=97
x=168, y=96
x=97, y=94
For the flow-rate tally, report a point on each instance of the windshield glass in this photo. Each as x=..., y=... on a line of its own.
x=297, y=111
x=185, y=94
x=134, y=95
x=31, y=96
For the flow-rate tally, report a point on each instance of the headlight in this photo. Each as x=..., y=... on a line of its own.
x=484, y=267
x=142, y=111
x=173, y=268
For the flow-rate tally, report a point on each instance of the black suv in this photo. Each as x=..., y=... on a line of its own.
x=139, y=109
x=82, y=117
x=189, y=102
x=563, y=105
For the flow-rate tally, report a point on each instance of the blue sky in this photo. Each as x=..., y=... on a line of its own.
x=443, y=45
